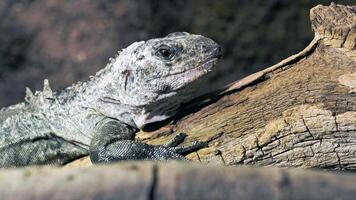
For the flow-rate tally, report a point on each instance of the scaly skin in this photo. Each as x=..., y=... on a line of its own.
x=145, y=83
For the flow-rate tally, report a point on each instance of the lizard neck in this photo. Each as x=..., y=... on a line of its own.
x=97, y=96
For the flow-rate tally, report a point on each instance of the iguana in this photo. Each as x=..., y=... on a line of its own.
x=145, y=83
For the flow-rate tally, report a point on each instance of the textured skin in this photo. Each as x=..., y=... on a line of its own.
x=145, y=83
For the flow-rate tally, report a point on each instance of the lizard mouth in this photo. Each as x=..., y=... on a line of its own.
x=200, y=71
x=206, y=65
x=209, y=64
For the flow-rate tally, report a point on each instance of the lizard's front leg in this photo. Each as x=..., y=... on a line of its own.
x=114, y=141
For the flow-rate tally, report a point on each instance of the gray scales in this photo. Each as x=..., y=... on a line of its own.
x=145, y=83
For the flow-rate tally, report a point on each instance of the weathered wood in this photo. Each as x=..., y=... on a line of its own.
x=174, y=180
x=300, y=112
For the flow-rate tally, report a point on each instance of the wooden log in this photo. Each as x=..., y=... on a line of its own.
x=174, y=180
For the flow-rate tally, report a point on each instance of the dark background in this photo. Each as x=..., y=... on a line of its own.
x=68, y=40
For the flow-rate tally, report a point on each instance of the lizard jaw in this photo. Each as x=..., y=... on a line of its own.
x=142, y=120
x=207, y=66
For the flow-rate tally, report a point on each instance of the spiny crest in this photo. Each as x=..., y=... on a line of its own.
x=39, y=96
x=108, y=66
x=80, y=85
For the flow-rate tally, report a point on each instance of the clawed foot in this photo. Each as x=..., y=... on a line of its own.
x=186, y=149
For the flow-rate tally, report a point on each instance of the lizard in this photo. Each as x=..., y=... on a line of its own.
x=146, y=82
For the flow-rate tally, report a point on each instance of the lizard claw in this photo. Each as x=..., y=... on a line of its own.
x=186, y=149
x=195, y=146
x=178, y=139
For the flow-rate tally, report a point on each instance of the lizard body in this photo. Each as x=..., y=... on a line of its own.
x=144, y=83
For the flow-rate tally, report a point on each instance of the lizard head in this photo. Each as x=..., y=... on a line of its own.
x=158, y=75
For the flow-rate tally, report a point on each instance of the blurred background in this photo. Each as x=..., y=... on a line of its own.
x=68, y=40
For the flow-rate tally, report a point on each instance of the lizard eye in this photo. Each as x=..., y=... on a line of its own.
x=165, y=52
